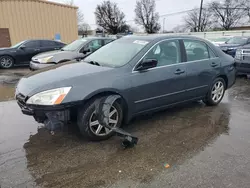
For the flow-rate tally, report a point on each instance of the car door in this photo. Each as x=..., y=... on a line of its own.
x=27, y=50
x=202, y=67
x=47, y=45
x=91, y=46
x=163, y=85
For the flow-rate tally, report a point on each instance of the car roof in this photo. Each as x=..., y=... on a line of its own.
x=158, y=37
x=92, y=38
x=42, y=40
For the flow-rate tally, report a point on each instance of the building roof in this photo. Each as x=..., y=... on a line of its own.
x=50, y=2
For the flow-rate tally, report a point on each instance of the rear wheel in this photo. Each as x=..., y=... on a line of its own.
x=216, y=92
x=89, y=125
x=6, y=62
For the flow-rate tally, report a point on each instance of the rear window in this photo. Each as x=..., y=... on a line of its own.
x=47, y=43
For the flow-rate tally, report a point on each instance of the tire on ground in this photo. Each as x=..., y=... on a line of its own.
x=208, y=99
x=84, y=115
x=6, y=56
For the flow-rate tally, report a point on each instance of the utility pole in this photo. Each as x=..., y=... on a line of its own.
x=199, y=24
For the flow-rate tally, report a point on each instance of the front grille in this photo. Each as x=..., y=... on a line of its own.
x=246, y=54
x=247, y=51
x=246, y=58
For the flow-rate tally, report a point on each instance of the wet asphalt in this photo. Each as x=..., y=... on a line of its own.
x=203, y=146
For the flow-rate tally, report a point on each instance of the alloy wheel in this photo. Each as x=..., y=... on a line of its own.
x=6, y=62
x=97, y=128
x=217, y=91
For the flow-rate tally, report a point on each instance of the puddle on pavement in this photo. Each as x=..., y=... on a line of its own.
x=66, y=160
x=7, y=92
x=8, y=80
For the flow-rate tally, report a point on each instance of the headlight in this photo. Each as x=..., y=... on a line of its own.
x=231, y=48
x=49, y=97
x=45, y=60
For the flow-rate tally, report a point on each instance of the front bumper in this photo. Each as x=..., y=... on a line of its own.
x=37, y=65
x=40, y=113
x=242, y=68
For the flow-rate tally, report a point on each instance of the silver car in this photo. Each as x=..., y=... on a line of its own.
x=76, y=50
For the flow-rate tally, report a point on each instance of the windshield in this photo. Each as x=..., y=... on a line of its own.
x=74, y=45
x=237, y=40
x=18, y=44
x=117, y=53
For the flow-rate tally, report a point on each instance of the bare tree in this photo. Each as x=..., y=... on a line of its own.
x=110, y=18
x=146, y=16
x=229, y=12
x=180, y=29
x=192, y=20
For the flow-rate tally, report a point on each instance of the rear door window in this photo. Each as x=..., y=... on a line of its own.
x=196, y=50
x=47, y=43
x=32, y=44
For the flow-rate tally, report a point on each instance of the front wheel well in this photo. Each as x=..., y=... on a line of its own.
x=121, y=101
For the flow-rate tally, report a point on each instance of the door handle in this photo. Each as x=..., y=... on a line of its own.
x=213, y=64
x=179, y=71
x=37, y=50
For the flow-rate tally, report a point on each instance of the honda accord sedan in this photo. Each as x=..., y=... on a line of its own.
x=149, y=73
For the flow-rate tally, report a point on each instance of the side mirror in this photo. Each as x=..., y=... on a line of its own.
x=147, y=64
x=22, y=47
x=86, y=51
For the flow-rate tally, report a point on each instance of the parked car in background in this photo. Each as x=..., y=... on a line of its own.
x=220, y=40
x=148, y=72
x=242, y=59
x=233, y=44
x=75, y=50
x=21, y=53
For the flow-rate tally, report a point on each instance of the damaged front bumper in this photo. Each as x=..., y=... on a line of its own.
x=41, y=113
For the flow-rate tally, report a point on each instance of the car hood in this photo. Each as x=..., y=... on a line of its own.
x=46, y=54
x=6, y=49
x=230, y=45
x=245, y=47
x=57, y=55
x=61, y=75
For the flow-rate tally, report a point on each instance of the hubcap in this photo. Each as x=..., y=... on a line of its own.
x=6, y=62
x=97, y=128
x=217, y=91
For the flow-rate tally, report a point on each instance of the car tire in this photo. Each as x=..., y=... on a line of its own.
x=6, y=62
x=86, y=116
x=216, y=92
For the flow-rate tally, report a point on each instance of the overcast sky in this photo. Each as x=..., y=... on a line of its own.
x=127, y=6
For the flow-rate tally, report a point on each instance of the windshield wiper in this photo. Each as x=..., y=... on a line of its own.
x=94, y=63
